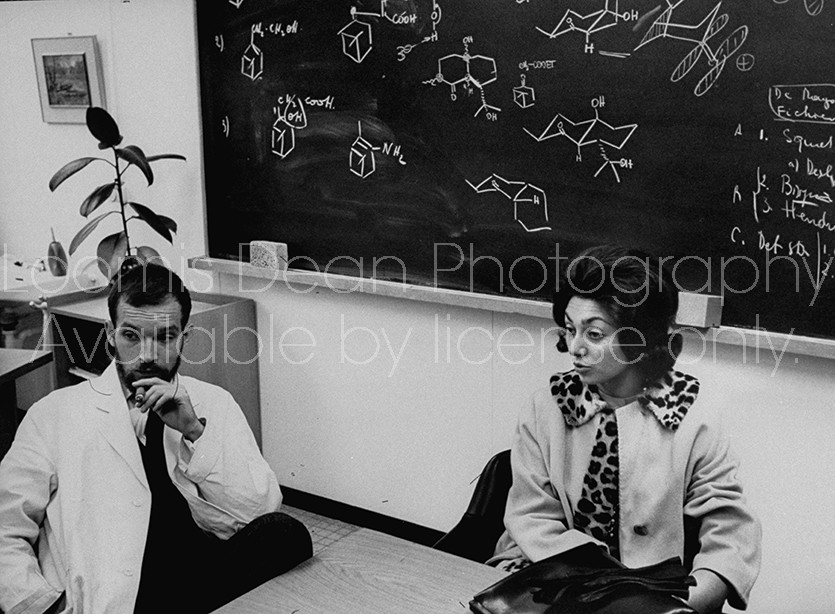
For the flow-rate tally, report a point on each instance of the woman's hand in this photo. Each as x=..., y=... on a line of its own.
x=709, y=594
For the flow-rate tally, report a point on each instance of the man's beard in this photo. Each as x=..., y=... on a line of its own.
x=144, y=371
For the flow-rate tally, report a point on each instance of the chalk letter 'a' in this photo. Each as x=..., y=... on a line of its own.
x=738, y=131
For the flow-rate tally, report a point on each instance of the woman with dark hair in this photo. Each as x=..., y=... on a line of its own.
x=619, y=451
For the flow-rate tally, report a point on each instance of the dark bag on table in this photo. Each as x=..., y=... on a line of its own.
x=586, y=580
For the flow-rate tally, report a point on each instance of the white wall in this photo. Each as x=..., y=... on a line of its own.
x=148, y=54
x=341, y=419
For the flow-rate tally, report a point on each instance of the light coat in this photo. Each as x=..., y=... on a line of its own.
x=74, y=482
x=665, y=474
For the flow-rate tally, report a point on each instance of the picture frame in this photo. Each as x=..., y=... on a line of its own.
x=69, y=77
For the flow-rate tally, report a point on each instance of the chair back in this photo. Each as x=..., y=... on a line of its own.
x=476, y=534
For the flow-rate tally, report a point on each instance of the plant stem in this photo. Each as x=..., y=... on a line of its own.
x=121, y=201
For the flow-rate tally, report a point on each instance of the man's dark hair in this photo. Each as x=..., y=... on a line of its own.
x=147, y=284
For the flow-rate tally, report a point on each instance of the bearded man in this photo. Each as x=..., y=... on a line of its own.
x=142, y=490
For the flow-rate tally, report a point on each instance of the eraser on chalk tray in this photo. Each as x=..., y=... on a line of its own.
x=700, y=310
x=268, y=254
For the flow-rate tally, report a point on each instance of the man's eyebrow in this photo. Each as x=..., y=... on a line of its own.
x=157, y=327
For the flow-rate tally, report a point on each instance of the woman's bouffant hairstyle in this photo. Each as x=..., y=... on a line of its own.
x=639, y=295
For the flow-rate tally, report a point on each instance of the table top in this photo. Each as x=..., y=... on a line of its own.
x=371, y=572
x=15, y=362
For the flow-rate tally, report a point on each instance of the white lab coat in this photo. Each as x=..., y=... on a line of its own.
x=74, y=480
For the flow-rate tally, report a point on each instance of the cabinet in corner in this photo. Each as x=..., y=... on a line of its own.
x=222, y=347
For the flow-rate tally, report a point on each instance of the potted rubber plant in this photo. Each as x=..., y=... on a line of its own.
x=116, y=248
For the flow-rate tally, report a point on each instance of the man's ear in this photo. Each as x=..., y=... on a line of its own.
x=186, y=332
x=110, y=332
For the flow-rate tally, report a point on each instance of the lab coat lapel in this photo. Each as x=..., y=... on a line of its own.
x=114, y=422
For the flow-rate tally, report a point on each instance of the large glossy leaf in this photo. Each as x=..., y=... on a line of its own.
x=134, y=155
x=68, y=170
x=99, y=195
x=148, y=254
x=165, y=157
x=160, y=223
x=103, y=127
x=169, y=223
x=110, y=252
x=85, y=232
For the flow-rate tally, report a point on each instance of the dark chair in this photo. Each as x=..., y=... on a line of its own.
x=476, y=534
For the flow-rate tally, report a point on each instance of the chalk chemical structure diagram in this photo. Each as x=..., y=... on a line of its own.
x=813, y=7
x=529, y=202
x=252, y=61
x=591, y=132
x=435, y=17
x=290, y=116
x=236, y=3
x=524, y=95
x=358, y=36
x=469, y=71
x=591, y=23
x=362, y=161
x=666, y=26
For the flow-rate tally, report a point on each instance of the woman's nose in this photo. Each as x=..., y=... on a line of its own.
x=578, y=348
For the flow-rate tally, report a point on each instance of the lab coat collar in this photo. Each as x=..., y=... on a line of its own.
x=115, y=424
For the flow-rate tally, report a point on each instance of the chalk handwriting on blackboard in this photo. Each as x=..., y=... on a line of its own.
x=743, y=169
x=529, y=201
x=362, y=161
x=476, y=71
x=358, y=35
x=813, y=7
x=809, y=103
x=236, y=3
x=745, y=62
x=252, y=62
x=787, y=204
x=590, y=132
x=591, y=23
x=524, y=95
x=435, y=17
x=290, y=116
x=667, y=26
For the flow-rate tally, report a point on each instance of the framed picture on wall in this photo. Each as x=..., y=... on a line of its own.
x=69, y=77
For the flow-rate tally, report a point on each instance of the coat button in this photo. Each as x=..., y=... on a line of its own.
x=640, y=530
x=137, y=503
x=127, y=572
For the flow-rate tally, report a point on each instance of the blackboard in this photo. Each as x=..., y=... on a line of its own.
x=477, y=144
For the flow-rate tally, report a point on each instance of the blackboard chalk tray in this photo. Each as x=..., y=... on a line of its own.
x=721, y=335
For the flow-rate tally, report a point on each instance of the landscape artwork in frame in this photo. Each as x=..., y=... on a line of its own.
x=69, y=77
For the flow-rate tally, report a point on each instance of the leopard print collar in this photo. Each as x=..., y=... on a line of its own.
x=668, y=399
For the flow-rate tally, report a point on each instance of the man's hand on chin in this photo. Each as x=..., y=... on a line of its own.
x=171, y=403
